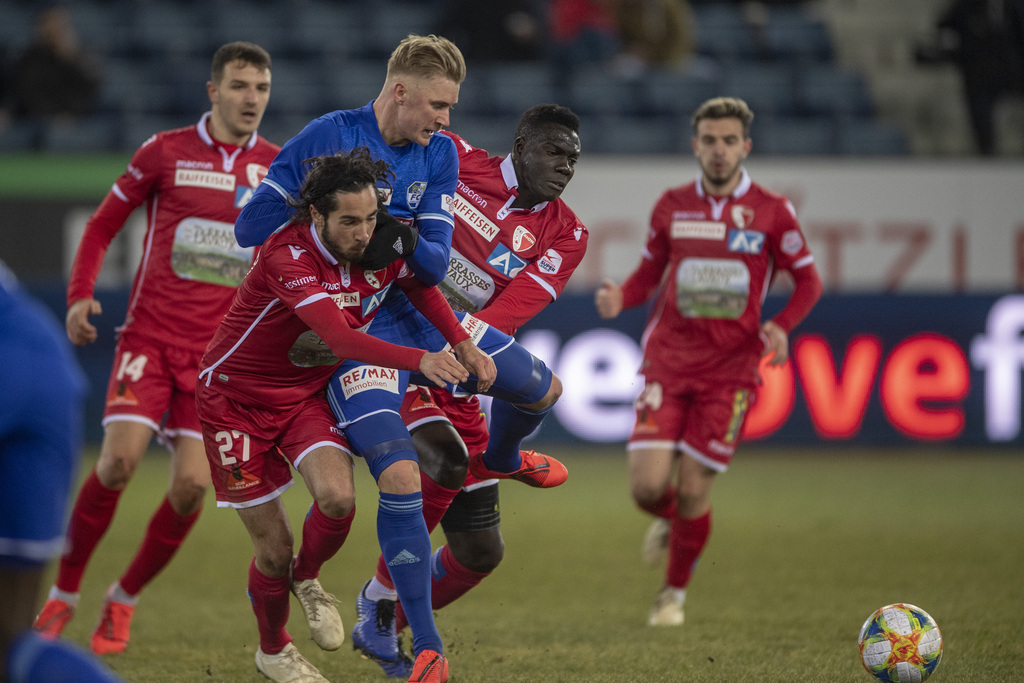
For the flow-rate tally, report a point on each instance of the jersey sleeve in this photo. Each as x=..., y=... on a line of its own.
x=790, y=251
x=647, y=277
x=318, y=310
x=431, y=303
x=540, y=283
x=267, y=210
x=434, y=219
x=130, y=191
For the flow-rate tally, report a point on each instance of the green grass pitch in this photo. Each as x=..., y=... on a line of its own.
x=805, y=546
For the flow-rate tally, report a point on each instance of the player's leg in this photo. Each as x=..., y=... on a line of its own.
x=710, y=433
x=268, y=589
x=474, y=549
x=166, y=531
x=329, y=477
x=124, y=443
x=526, y=390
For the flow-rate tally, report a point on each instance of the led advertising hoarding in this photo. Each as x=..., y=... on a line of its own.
x=863, y=369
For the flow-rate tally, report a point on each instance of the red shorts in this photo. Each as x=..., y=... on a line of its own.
x=149, y=381
x=704, y=421
x=250, y=448
x=426, y=404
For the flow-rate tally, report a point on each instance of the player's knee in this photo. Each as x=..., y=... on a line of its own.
x=646, y=493
x=442, y=454
x=336, y=502
x=552, y=395
x=480, y=552
x=275, y=560
x=116, y=467
x=186, y=496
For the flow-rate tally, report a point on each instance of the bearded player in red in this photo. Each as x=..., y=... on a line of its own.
x=194, y=182
x=713, y=248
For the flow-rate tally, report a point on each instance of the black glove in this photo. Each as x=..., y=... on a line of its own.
x=392, y=239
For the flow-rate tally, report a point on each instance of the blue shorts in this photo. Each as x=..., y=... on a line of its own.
x=42, y=395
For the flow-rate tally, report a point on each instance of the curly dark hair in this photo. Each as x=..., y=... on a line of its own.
x=342, y=172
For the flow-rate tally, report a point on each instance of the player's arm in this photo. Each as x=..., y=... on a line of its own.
x=611, y=299
x=431, y=303
x=538, y=284
x=267, y=210
x=789, y=250
x=806, y=292
x=434, y=221
x=127, y=194
x=322, y=316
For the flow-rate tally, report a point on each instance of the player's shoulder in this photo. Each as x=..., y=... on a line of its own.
x=264, y=146
x=762, y=193
x=678, y=194
x=761, y=196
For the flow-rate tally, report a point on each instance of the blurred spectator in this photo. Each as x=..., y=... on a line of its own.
x=986, y=39
x=511, y=30
x=583, y=34
x=654, y=34
x=54, y=80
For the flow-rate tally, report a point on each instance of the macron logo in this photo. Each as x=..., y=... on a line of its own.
x=404, y=557
x=296, y=252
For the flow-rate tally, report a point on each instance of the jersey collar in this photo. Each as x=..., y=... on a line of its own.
x=740, y=190
x=204, y=133
x=508, y=174
x=320, y=246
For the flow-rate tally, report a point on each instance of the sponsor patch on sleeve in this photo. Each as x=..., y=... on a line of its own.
x=792, y=242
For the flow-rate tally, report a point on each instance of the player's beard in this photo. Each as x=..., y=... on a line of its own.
x=335, y=250
x=720, y=179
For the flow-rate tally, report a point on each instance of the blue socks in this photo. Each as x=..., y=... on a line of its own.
x=510, y=424
x=405, y=545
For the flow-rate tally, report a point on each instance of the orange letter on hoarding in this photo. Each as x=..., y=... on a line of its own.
x=773, y=400
x=836, y=405
x=925, y=368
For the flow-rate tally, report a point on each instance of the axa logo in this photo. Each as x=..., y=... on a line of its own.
x=504, y=261
x=746, y=241
x=373, y=301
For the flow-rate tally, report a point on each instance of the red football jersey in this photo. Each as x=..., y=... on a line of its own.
x=264, y=353
x=714, y=258
x=194, y=188
x=511, y=261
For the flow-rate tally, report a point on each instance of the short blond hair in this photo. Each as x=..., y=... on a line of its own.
x=427, y=57
x=724, y=108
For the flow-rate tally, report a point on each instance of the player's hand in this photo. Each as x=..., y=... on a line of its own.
x=477, y=362
x=776, y=341
x=391, y=240
x=80, y=330
x=608, y=300
x=441, y=367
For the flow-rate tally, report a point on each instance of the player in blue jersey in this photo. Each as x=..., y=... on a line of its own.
x=421, y=86
x=42, y=394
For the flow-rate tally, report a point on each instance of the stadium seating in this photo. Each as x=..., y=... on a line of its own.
x=330, y=54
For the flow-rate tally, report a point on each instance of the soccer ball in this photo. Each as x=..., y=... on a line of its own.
x=900, y=643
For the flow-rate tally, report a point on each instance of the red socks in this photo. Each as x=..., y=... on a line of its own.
x=165, y=534
x=322, y=538
x=90, y=519
x=685, y=544
x=269, y=598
